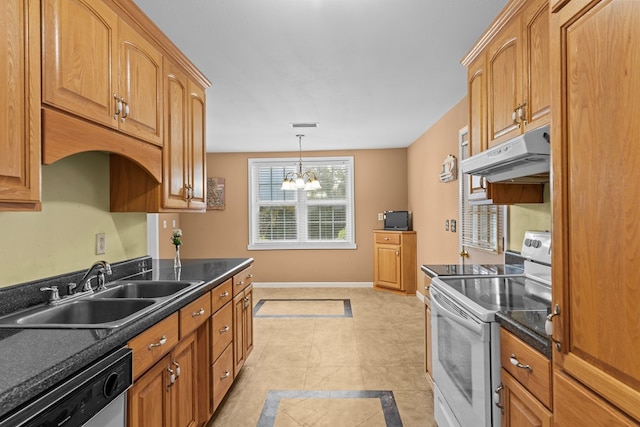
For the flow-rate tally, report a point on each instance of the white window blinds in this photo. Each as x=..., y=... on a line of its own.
x=481, y=224
x=299, y=219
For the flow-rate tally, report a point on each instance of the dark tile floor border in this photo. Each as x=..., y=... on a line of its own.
x=388, y=402
x=347, y=308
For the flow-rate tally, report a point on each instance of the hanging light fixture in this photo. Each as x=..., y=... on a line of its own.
x=298, y=180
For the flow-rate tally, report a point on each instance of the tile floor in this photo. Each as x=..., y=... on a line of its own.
x=332, y=357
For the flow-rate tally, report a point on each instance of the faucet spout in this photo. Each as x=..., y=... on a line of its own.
x=101, y=268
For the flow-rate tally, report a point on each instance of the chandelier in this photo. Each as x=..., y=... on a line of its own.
x=298, y=180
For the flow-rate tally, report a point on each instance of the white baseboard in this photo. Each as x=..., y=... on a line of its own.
x=312, y=284
x=420, y=296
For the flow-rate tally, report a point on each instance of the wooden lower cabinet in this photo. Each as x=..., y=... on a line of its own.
x=242, y=328
x=165, y=395
x=576, y=406
x=394, y=261
x=222, y=376
x=521, y=408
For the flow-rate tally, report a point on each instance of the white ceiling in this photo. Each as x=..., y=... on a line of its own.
x=372, y=73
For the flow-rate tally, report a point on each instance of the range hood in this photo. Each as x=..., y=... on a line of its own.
x=523, y=159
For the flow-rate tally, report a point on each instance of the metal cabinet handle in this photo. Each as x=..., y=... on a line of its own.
x=386, y=238
x=163, y=341
x=249, y=276
x=227, y=374
x=548, y=327
x=224, y=330
x=498, y=398
x=118, y=108
x=514, y=361
x=198, y=313
x=125, y=110
x=224, y=294
x=177, y=368
x=172, y=377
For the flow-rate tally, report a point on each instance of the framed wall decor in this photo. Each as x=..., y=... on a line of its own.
x=215, y=193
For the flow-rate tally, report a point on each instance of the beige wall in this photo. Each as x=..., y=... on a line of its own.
x=380, y=184
x=433, y=202
x=167, y=222
x=61, y=238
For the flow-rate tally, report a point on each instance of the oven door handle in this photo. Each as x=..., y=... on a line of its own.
x=475, y=327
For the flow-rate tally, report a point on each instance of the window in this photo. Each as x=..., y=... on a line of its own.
x=298, y=219
x=481, y=225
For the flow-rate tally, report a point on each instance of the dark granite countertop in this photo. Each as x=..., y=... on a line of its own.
x=33, y=360
x=528, y=325
x=433, y=270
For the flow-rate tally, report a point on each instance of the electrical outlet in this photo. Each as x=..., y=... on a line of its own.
x=164, y=223
x=101, y=244
x=380, y=216
x=446, y=225
x=453, y=225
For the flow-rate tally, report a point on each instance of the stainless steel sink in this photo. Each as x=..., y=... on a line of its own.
x=143, y=289
x=119, y=304
x=79, y=314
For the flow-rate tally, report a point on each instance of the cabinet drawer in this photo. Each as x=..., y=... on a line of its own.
x=221, y=295
x=152, y=344
x=194, y=314
x=388, y=238
x=537, y=379
x=222, y=376
x=241, y=280
x=221, y=330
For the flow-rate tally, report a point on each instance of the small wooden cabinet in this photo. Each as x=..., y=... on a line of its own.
x=121, y=87
x=526, y=384
x=394, y=261
x=19, y=111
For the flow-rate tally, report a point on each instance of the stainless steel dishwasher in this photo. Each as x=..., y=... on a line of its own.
x=95, y=396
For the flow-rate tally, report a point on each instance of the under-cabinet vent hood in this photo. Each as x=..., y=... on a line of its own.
x=523, y=159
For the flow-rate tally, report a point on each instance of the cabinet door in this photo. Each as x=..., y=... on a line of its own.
x=238, y=333
x=197, y=150
x=19, y=111
x=521, y=409
x=504, y=73
x=174, y=149
x=387, y=266
x=140, y=85
x=537, y=78
x=248, y=321
x=78, y=73
x=477, y=93
x=597, y=187
x=184, y=399
x=148, y=398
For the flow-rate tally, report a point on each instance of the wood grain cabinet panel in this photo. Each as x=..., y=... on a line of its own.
x=221, y=330
x=394, y=261
x=520, y=407
x=121, y=87
x=195, y=314
x=596, y=190
x=242, y=328
x=19, y=111
x=149, y=346
x=149, y=398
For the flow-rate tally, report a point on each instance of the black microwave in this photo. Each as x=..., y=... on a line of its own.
x=397, y=220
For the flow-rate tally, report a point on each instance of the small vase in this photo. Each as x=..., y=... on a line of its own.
x=176, y=259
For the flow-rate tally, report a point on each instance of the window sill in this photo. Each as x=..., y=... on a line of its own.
x=301, y=246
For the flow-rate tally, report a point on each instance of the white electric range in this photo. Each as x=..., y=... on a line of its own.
x=466, y=335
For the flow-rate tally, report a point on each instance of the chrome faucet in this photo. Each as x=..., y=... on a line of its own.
x=102, y=268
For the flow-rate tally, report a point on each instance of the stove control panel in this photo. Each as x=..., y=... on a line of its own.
x=537, y=246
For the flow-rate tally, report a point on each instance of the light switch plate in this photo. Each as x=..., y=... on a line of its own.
x=101, y=243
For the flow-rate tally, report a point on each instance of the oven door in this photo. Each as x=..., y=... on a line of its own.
x=461, y=365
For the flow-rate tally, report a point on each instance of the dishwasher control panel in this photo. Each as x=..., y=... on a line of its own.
x=78, y=399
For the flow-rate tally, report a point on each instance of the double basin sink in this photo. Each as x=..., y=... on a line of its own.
x=120, y=303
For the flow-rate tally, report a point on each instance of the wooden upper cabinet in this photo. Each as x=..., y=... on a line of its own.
x=504, y=71
x=519, y=90
x=197, y=147
x=70, y=81
x=184, y=151
x=596, y=190
x=113, y=77
x=20, y=109
x=140, y=85
x=536, y=85
x=477, y=94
